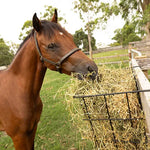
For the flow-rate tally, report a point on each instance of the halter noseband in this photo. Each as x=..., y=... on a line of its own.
x=56, y=64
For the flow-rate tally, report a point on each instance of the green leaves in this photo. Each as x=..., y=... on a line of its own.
x=46, y=15
x=5, y=55
x=88, y=11
x=127, y=34
x=94, y=12
x=26, y=28
x=81, y=39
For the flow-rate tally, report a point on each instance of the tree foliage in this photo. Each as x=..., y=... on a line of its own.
x=26, y=29
x=81, y=40
x=133, y=11
x=6, y=55
x=46, y=15
x=126, y=34
x=88, y=11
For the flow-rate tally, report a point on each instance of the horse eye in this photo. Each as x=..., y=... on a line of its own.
x=51, y=45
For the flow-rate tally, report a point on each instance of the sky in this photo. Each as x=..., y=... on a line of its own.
x=13, y=14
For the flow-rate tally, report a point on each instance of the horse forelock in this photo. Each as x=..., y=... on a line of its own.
x=50, y=29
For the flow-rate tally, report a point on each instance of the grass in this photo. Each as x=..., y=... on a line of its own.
x=111, y=53
x=113, y=59
x=55, y=130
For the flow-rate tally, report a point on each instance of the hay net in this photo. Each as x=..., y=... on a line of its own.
x=113, y=121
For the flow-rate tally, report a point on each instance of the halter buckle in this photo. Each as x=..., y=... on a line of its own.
x=58, y=68
x=41, y=58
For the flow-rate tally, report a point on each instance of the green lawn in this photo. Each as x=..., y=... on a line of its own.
x=55, y=130
x=114, y=59
x=111, y=53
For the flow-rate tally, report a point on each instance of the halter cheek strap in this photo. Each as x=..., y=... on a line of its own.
x=56, y=64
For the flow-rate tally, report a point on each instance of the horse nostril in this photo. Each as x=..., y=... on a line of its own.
x=93, y=72
x=90, y=69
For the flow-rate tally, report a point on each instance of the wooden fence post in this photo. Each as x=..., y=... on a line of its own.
x=129, y=51
x=141, y=64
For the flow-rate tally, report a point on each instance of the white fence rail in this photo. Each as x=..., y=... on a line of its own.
x=133, y=51
x=2, y=67
x=143, y=84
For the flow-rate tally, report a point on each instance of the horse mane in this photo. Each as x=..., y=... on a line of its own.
x=49, y=29
x=28, y=36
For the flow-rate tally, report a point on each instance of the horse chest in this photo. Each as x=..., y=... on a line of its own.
x=32, y=111
x=32, y=116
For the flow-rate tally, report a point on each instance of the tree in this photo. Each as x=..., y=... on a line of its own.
x=134, y=11
x=81, y=40
x=87, y=10
x=126, y=34
x=49, y=11
x=26, y=29
x=47, y=15
x=6, y=55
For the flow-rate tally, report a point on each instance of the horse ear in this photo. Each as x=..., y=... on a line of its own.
x=36, y=23
x=55, y=17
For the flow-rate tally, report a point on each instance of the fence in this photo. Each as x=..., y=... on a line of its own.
x=140, y=67
x=140, y=45
x=116, y=134
x=106, y=49
x=2, y=67
x=138, y=63
x=142, y=60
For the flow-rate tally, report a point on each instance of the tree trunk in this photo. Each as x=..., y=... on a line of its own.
x=144, y=4
x=147, y=29
x=90, y=47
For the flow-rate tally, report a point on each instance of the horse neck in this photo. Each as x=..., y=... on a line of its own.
x=27, y=69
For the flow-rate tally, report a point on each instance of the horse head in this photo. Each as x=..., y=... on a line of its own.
x=58, y=51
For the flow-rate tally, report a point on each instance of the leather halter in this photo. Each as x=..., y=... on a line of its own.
x=56, y=64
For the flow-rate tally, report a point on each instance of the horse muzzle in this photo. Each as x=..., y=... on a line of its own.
x=86, y=70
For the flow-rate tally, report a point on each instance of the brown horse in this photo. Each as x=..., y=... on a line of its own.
x=47, y=46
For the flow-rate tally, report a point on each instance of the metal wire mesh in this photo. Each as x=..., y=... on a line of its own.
x=111, y=120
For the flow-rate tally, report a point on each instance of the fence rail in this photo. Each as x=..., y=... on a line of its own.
x=2, y=67
x=143, y=84
x=114, y=62
x=110, y=118
x=143, y=61
x=114, y=56
x=106, y=49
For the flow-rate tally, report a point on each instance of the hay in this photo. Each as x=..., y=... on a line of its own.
x=128, y=134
